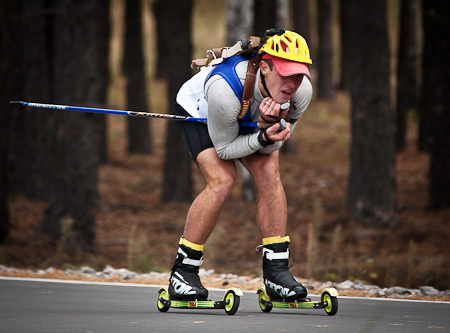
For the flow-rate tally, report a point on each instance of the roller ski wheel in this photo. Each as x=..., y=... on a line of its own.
x=264, y=301
x=163, y=300
x=230, y=302
x=328, y=302
x=329, y=299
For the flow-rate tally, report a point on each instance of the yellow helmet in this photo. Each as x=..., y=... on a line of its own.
x=288, y=45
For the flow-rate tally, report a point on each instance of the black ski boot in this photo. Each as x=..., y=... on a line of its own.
x=184, y=282
x=279, y=282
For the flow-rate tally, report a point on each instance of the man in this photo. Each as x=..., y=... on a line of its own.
x=282, y=78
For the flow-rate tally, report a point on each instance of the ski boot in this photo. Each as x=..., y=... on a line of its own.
x=184, y=282
x=279, y=283
x=185, y=290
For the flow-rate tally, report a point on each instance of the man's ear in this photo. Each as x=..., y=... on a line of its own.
x=264, y=67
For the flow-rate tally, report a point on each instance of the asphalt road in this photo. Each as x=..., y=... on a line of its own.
x=57, y=306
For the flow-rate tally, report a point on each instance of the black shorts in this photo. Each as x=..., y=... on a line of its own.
x=195, y=134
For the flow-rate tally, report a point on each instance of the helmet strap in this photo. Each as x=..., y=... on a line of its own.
x=263, y=81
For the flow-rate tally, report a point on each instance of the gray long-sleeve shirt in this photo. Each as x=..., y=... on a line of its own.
x=223, y=107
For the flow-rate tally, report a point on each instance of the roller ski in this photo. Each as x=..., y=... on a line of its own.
x=185, y=289
x=230, y=302
x=328, y=302
x=281, y=288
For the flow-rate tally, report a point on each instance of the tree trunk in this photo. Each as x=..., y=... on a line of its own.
x=70, y=216
x=264, y=16
x=104, y=76
x=301, y=19
x=282, y=14
x=239, y=20
x=437, y=80
x=33, y=131
x=177, y=183
x=371, y=191
x=325, y=85
x=134, y=69
x=407, y=68
x=427, y=88
x=345, y=23
x=9, y=12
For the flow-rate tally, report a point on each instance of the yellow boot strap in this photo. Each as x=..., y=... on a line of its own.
x=275, y=240
x=196, y=247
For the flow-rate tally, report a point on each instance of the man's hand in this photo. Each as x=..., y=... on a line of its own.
x=270, y=111
x=274, y=133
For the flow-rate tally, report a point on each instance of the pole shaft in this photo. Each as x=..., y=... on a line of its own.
x=121, y=112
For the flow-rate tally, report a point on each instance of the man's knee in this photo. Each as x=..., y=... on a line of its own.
x=266, y=170
x=222, y=183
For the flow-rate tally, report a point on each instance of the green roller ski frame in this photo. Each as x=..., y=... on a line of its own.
x=230, y=302
x=328, y=302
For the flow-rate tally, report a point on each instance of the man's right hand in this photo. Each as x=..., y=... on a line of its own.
x=274, y=134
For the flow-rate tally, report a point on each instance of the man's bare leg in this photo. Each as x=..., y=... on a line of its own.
x=271, y=206
x=271, y=216
x=220, y=176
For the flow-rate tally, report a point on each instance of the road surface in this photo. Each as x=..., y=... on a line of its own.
x=33, y=305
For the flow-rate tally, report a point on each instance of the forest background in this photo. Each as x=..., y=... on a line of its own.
x=366, y=175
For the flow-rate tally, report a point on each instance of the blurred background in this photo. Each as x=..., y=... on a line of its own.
x=367, y=173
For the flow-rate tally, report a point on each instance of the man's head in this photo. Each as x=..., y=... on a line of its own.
x=285, y=59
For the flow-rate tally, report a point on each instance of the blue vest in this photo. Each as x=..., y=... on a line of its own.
x=227, y=69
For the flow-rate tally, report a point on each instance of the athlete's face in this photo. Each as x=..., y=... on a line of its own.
x=281, y=88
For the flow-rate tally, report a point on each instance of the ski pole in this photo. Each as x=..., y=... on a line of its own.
x=123, y=112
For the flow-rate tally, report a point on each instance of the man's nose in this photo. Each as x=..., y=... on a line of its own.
x=294, y=79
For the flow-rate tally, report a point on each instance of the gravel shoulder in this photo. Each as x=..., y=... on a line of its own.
x=212, y=280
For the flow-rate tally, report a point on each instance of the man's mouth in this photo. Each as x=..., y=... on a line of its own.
x=287, y=93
